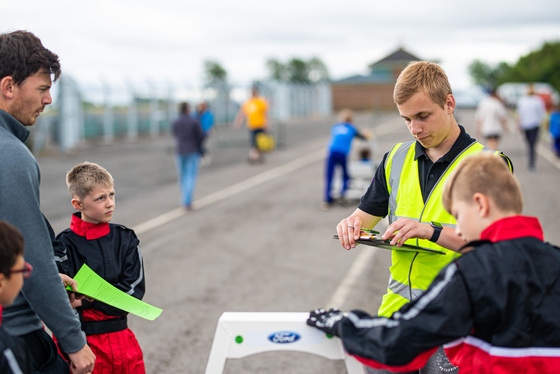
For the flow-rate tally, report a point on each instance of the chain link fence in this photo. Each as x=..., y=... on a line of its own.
x=111, y=112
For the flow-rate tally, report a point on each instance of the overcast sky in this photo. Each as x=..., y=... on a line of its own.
x=168, y=40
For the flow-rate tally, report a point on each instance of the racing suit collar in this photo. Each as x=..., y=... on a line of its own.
x=513, y=228
x=88, y=230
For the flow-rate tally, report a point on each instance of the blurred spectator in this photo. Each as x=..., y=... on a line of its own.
x=531, y=112
x=206, y=120
x=342, y=134
x=188, y=139
x=491, y=119
x=204, y=117
x=365, y=154
x=555, y=129
x=255, y=112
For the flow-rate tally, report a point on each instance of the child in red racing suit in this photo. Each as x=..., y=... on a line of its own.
x=113, y=252
x=494, y=309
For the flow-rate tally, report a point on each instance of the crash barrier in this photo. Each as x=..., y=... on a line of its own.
x=242, y=334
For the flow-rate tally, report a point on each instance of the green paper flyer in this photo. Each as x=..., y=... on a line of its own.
x=92, y=285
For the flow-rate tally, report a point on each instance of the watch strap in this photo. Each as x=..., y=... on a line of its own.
x=437, y=231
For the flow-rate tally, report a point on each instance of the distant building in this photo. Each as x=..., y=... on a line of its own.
x=373, y=91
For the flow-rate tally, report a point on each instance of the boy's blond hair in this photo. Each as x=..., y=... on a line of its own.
x=487, y=173
x=84, y=177
x=424, y=76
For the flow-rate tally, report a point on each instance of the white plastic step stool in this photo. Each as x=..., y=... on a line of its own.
x=243, y=334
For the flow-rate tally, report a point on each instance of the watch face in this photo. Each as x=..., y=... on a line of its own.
x=435, y=224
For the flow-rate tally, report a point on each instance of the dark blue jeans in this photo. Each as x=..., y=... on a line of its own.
x=187, y=168
x=336, y=159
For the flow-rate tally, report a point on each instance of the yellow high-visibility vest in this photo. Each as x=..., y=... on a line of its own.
x=411, y=272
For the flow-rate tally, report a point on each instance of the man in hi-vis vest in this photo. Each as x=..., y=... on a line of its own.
x=407, y=187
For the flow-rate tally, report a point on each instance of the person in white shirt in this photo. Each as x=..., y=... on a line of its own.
x=491, y=119
x=531, y=111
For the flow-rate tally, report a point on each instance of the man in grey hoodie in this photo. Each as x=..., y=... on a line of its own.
x=26, y=68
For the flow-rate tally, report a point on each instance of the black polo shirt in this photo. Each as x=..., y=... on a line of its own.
x=376, y=199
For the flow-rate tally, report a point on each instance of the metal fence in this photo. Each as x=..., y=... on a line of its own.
x=110, y=111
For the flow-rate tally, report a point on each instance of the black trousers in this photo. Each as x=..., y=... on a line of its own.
x=531, y=135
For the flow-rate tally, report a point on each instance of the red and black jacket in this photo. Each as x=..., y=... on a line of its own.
x=494, y=309
x=113, y=252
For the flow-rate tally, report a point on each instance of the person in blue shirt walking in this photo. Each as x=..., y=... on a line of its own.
x=206, y=120
x=340, y=143
x=205, y=117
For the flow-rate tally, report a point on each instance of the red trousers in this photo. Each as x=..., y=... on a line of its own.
x=117, y=353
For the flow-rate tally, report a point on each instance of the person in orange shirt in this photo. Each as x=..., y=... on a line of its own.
x=255, y=112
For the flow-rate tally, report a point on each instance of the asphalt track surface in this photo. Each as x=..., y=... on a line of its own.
x=257, y=240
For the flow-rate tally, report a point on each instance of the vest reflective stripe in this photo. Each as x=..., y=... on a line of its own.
x=392, y=185
x=412, y=273
x=404, y=290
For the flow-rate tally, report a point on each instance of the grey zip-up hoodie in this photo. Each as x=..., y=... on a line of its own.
x=43, y=296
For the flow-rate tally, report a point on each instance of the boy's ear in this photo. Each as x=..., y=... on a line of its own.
x=2, y=281
x=482, y=204
x=76, y=203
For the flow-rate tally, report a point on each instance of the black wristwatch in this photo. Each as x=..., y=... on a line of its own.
x=437, y=231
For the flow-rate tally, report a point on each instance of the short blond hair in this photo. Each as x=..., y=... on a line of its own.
x=486, y=173
x=423, y=76
x=84, y=177
x=346, y=115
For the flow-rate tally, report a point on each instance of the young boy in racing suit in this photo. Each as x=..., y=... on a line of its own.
x=494, y=309
x=14, y=354
x=113, y=252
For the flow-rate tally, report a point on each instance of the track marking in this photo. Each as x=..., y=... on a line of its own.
x=232, y=190
x=543, y=149
x=362, y=261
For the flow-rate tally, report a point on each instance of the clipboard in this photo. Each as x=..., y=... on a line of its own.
x=386, y=244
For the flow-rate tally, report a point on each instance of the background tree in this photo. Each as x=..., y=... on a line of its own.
x=541, y=65
x=318, y=71
x=214, y=73
x=485, y=75
x=297, y=70
x=276, y=70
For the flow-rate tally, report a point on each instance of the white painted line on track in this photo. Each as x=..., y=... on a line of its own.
x=543, y=149
x=362, y=261
x=233, y=190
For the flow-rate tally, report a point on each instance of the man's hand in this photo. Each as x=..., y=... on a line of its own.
x=83, y=361
x=326, y=320
x=403, y=229
x=348, y=231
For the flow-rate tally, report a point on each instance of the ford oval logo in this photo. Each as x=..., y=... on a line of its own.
x=284, y=337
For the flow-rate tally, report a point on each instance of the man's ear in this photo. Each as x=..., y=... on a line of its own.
x=482, y=204
x=76, y=204
x=7, y=87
